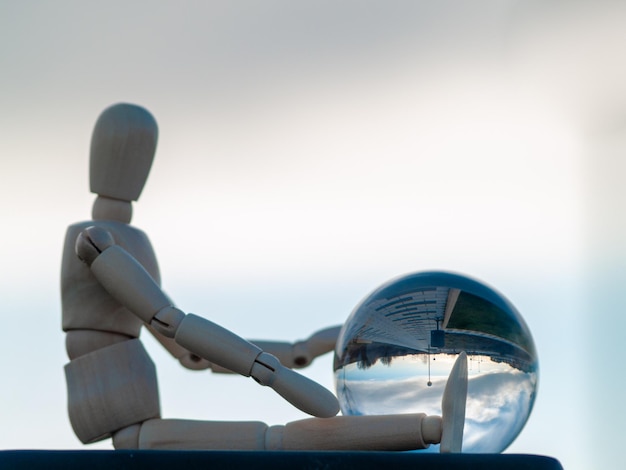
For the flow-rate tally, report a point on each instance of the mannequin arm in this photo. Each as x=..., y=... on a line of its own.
x=301, y=353
x=293, y=355
x=186, y=358
x=129, y=283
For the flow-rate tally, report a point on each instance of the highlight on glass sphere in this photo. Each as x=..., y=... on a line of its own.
x=396, y=350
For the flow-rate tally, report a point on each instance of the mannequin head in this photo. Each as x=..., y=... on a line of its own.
x=122, y=149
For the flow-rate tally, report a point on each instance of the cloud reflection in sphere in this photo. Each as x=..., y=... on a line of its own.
x=396, y=350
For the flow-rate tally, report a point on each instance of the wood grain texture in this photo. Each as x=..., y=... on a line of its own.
x=111, y=388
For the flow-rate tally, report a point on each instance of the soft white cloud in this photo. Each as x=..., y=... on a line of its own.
x=498, y=403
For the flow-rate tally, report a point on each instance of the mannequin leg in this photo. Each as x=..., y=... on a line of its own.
x=390, y=432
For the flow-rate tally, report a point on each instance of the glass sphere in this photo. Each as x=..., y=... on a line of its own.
x=396, y=350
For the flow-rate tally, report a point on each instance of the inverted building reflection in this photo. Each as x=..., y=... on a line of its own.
x=410, y=324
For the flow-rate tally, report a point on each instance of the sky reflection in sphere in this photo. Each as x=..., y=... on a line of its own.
x=396, y=350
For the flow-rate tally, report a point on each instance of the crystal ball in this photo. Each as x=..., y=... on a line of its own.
x=396, y=350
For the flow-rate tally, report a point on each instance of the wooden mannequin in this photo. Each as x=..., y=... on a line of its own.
x=111, y=288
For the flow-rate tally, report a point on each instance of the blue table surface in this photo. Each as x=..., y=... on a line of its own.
x=232, y=460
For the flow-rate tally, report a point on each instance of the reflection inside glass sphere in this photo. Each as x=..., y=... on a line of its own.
x=396, y=350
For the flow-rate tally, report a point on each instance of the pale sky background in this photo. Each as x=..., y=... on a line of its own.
x=309, y=152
